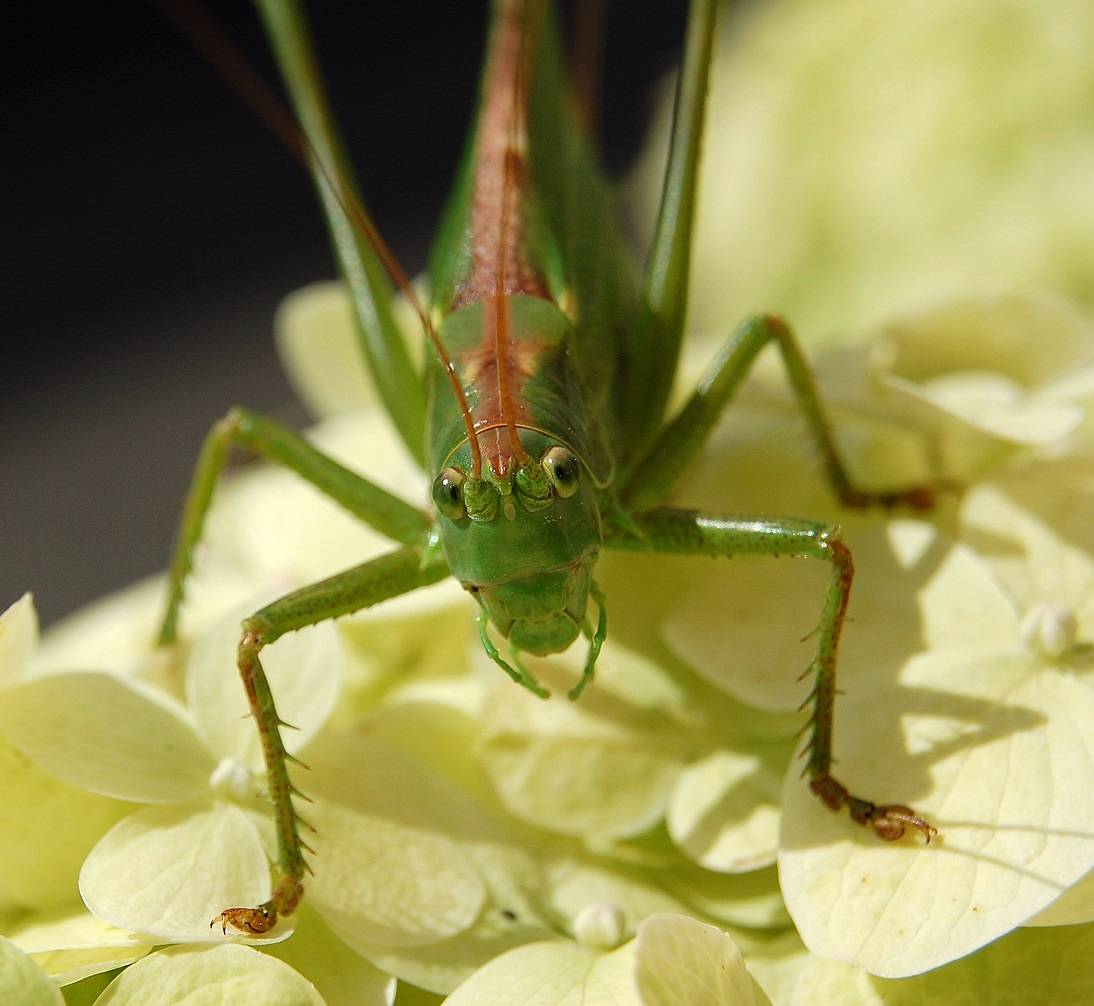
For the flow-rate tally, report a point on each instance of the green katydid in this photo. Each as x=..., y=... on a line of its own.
x=541, y=415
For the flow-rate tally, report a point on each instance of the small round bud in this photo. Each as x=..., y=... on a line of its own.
x=1049, y=630
x=599, y=925
x=233, y=779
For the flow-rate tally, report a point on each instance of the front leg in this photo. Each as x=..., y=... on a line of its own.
x=668, y=529
x=385, y=577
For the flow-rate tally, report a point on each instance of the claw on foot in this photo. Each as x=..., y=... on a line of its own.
x=253, y=921
x=889, y=821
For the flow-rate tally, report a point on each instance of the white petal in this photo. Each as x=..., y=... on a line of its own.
x=210, y=976
x=68, y=928
x=673, y=960
x=304, y=670
x=1074, y=907
x=341, y=976
x=47, y=828
x=757, y=655
x=380, y=881
x=283, y=533
x=22, y=982
x=724, y=811
x=320, y=352
x=1042, y=967
x=71, y=944
x=166, y=871
x=421, y=773
x=752, y=900
x=998, y=755
x=550, y=974
x=117, y=633
x=601, y=766
x=66, y=967
x=679, y=960
x=18, y=638
x=111, y=735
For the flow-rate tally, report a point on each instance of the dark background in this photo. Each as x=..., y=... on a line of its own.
x=151, y=225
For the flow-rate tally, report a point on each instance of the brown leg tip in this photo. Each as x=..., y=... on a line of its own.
x=831, y=793
x=252, y=921
x=890, y=823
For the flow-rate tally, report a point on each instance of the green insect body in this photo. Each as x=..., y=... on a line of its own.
x=541, y=416
x=527, y=531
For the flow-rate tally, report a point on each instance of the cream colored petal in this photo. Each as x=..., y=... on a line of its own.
x=421, y=774
x=1033, y=527
x=866, y=159
x=304, y=670
x=1074, y=907
x=751, y=900
x=47, y=827
x=673, y=960
x=69, y=928
x=167, y=871
x=210, y=976
x=18, y=638
x=964, y=606
x=575, y=881
x=341, y=976
x=117, y=633
x=594, y=767
x=680, y=960
x=22, y=981
x=319, y=350
x=110, y=735
x=997, y=752
x=283, y=533
x=1041, y=967
x=66, y=967
x=758, y=654
x=381, y=881
x=724, y=810
x=548, y=974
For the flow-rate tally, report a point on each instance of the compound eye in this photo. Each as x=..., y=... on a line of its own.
x=563, y=469
x=447, y=495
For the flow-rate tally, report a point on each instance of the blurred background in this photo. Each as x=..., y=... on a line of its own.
x=153, y=225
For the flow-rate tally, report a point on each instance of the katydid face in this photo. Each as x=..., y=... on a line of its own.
x=524, y=543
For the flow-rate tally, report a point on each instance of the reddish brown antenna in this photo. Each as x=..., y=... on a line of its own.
x=220, y=51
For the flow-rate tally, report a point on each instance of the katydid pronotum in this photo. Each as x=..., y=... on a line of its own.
x=541, y=417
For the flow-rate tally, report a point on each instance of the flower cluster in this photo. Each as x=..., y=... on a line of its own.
x=475, y=842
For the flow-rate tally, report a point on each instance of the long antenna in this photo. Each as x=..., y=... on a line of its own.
x=220, y=51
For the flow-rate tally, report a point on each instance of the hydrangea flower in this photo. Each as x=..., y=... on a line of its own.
x=862, y=160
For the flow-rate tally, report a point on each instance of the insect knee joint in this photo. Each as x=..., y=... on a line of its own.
x=233, y=422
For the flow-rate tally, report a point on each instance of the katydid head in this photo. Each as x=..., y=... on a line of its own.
x=525, y=542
